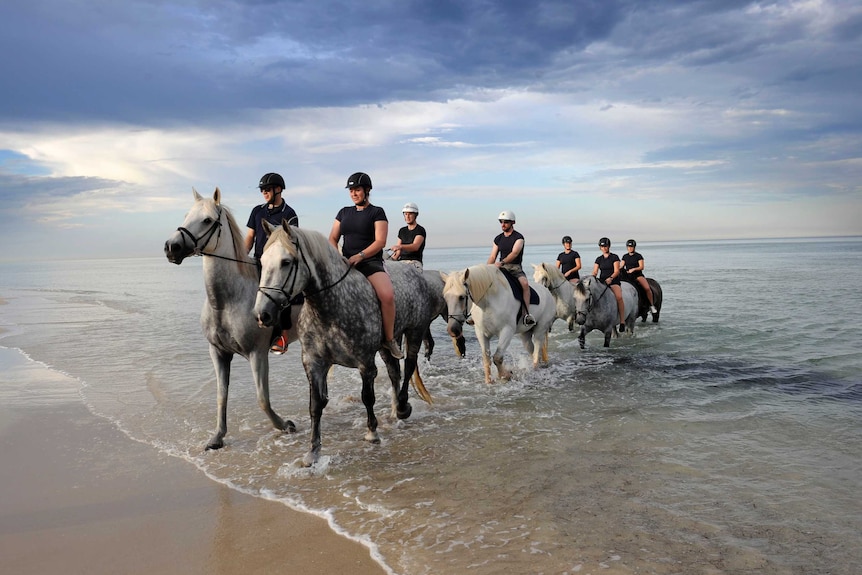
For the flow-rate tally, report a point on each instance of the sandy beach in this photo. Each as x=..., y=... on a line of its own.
x=79, y=496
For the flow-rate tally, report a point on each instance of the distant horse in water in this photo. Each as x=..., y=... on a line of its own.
x=562, y=290
x=597, y=308
x=340, y=322
x=643, y=301
x=495, y=313
x=230, y=279
x=436, y=281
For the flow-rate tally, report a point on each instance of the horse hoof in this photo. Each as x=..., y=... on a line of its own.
x=289, y=426
x=404, y=413
x=372, y=437
x=309, y=459
x=214, y=444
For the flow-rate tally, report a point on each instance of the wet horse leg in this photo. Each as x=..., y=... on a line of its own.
x=369, y=373
x=260, y=371
x=221, y=363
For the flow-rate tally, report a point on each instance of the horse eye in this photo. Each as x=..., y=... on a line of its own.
x=208, y=220
x=285, y=262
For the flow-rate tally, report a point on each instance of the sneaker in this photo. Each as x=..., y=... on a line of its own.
x=392, y=347
x=652, y=309
x=279, y=346
x=529, y=320
x=622, y=328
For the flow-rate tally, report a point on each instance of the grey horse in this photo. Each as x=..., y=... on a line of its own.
x=340, y=322
x=597, y=308
x=231, y=281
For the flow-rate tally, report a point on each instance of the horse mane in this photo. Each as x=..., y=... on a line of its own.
x=481, y=279
x=316, y=245
x=583, y=286
x=244, y=263
x=554, y=274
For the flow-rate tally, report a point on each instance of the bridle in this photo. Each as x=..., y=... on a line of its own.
x=197, y=250
x=291, y=277
x=465, y=315
x=590, y=299
x=205, y=237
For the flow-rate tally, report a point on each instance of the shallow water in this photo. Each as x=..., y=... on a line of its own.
x=724, y=439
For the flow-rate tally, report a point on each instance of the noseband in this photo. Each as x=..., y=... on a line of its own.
x=590, y=299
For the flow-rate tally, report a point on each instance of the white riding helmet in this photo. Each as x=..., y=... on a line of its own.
x=507, y=215
x=410, y=207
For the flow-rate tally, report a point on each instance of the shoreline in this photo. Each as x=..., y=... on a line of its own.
x=79, y=496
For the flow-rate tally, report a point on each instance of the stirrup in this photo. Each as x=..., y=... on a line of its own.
x=529, y=320
x=279, y=346
x=392, y=347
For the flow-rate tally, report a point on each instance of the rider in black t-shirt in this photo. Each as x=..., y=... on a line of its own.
x=607, y=270
x=569, y=261
x=633, y=267
x=411, y=238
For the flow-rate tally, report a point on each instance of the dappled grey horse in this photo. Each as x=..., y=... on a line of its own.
x=340, y=322
x=597, y=308
x=230, y=279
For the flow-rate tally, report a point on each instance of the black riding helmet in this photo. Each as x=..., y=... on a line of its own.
x=567, y=239
x=359, y=179
x=631, y=243
x=604, y=242
x=271, y=180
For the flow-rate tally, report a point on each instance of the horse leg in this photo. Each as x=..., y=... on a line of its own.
x=505, y=338
x=460, y=345
x=221, y=362
x=369, y=373
x=582, y=337
x=318, y=397
x=260, y=371
x=428, y=341
x=401, y=407
x=608, y=334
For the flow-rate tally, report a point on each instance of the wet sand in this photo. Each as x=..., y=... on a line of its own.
x=78, y=496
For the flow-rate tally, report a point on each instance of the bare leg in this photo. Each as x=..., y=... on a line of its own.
x=386, y=294
x=618, y=292
x=645, y=285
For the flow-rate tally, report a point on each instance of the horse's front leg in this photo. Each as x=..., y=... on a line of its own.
x=318, y=397
x=259, y=361
x=369, y=373
x=485, y=347
x=582, y=337
x=221, y=363
x=503, y=342
x=608, y=334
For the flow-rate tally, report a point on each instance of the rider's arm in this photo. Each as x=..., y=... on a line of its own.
x=249, y=240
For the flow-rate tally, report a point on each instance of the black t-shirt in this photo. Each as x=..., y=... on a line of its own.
x=406, y=235
x=357, y=229
x=505, y=245
x=273, y=216
x=631, y=261
x=567, y=262
x=606, y=266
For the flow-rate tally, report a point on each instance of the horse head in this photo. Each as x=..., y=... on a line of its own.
x=201, y=229
x=583, y=295
x=457, y=298
x=282, y=276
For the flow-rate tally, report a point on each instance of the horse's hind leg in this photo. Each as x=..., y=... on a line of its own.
x=428, y=341
x=318, y=397
x=369, y=373
x=221, y=363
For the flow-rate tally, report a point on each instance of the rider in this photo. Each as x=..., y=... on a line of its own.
x=510, y=246
x=364, y=227
x=633, y=266
x=607, y=269
x=569, y=261
x=274, y=209
x=411, y=238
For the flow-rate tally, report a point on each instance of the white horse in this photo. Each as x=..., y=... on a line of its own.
x=597, y=308
x=562, y=290
x=230, y=279
x=495, y=313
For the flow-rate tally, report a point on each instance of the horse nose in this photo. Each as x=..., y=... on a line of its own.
x=454, y=328
x=264, y=319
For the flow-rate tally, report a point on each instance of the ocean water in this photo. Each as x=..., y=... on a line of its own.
x=724, y=439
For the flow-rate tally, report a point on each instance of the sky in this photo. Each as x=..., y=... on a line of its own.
x=646, y=119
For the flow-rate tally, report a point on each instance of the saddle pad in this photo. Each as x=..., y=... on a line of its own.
x=517, y=293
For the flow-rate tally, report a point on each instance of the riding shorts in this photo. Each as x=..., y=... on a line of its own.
x=515, y=270
x=370, y=267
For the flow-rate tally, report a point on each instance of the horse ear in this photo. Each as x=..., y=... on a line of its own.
x=466, y=274
x=268, y=228
x=286, y=227
x=217, y=196
x=197, y=195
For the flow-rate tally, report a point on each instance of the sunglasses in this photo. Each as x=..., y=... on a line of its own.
x=507, y=221
x=267, y=190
